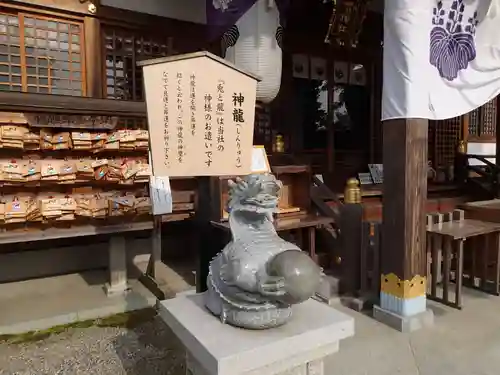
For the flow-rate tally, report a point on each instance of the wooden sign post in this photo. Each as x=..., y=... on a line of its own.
x=201, y=113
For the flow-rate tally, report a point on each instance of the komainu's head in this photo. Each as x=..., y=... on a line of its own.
x=256, y=193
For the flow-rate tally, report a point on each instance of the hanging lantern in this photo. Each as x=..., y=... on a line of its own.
x=346, y=22
x=254, y=44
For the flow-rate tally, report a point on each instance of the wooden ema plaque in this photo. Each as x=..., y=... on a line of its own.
x=201, y=113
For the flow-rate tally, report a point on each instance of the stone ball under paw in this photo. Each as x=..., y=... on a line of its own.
x=302, y=275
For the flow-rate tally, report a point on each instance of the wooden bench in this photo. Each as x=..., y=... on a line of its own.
x=445, y=242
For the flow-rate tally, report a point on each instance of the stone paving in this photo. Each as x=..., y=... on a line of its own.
x=148, y=349
x=463, y=342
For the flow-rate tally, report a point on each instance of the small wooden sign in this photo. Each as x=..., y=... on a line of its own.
x=72, y=121
x=201, y=112
x=161, y=195
x=260, y=162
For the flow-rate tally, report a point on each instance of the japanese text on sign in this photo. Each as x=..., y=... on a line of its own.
x=220, y=115
x=208, y=130
x=238, y=119
x=166, y=132
x=180, y=117
x=192, y=107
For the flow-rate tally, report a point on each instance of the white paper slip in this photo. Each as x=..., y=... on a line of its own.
x=260, y=163
x=161, y=195
x=377, y=172
x=365, y=178
x=319, y=177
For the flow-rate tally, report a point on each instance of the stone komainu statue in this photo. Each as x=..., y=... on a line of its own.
x=258, y=276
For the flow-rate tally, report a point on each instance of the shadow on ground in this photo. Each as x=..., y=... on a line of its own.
x=148, y=346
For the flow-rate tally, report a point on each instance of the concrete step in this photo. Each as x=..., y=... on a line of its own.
x=328, y=290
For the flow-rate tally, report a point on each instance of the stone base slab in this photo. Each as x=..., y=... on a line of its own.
x=404, y=323
x=117, y=289
x=328, y=288
x=297, y=348
x=314, y=367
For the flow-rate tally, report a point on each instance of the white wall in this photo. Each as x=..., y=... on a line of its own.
x=184, y=10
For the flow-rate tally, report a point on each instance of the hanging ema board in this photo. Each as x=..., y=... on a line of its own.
x=201, y=113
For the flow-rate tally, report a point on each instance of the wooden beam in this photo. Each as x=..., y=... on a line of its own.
x=44, y=6
x=168, y=26
x=60, y=104
x=403, y=253
x=93, y=57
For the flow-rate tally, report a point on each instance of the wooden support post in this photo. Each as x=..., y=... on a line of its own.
x=93, y=57
x=403, y=252
x=155, y=259
x=311, y=231
x=152, y=279
x=118, y=284
x=207, y=244
x=497, y=134
x=461, y=172
x=351, y=225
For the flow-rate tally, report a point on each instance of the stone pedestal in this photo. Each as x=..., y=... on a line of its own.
x=118, y=283
x=297, y=348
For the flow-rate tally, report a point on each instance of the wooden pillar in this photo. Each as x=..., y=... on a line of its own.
x=118, y=283
x=464, y=127
x=93, y=57
x=403, y=253
x=206, y=233
x=497, y=131
x=350, y=223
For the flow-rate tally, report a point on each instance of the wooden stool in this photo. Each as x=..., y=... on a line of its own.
x=445, y=242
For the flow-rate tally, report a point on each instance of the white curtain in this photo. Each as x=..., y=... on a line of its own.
x=441, y=58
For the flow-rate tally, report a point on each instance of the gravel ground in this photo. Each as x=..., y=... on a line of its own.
x=147, y=349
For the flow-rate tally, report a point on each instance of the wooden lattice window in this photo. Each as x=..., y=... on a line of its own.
x=431, y=150
x=447, y=134
x=482, y=121
x=123, y=48
x=43, y=55
x=474, y=122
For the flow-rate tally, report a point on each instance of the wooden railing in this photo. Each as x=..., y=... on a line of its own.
x=355, y=251
x=483, y=178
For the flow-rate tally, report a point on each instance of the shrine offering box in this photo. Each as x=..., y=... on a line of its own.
x=295, y=199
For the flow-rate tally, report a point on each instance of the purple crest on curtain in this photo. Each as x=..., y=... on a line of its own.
x=222, y=14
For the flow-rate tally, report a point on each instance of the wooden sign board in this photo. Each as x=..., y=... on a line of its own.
x=201, y=112
x=72, y=121
x=13, y=118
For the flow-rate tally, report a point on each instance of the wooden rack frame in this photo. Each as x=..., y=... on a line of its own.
x=74, y=105
x=56, y=104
